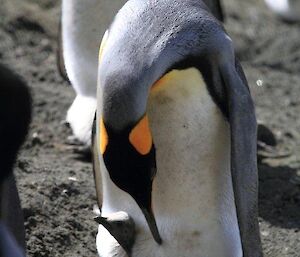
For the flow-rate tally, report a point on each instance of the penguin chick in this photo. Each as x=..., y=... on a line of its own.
x=121, y=226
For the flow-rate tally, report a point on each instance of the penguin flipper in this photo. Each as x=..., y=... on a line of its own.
x=96, y=165
x=243, y=129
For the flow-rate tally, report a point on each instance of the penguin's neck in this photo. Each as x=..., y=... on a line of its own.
x=192, y=192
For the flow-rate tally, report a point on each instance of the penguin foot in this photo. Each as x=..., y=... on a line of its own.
x=73, y=140
x=267, y=144
x=268, y=152
x=265, y=136
x=80, y=117
x=83, y=153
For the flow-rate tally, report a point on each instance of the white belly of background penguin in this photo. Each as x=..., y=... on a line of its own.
x=83, y=25
x=175, y=146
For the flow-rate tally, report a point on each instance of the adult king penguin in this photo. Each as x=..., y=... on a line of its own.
x=176, y=135
x=83, y=24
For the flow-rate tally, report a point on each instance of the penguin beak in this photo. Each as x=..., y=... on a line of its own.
x=148, y=213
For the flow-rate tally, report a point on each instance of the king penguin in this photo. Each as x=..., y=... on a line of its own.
x=83, y=23
x=288, y=10
x=15, y=115
x=175, y=135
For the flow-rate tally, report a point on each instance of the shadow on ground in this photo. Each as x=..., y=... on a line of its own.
x=279, y=196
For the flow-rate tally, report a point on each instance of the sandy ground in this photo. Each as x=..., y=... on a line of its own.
x=56, y=183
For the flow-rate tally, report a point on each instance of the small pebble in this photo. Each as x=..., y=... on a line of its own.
x=72, y=178
x=259, y=83
x=265, y=233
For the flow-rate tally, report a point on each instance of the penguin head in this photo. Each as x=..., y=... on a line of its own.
x=129, y=156
x=126, y=143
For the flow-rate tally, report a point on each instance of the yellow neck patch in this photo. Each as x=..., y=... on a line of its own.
x=140, y=136
x=163, y=80
x=103, y=137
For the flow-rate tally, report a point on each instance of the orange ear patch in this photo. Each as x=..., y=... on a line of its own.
x=103, y=137
x=140, y=136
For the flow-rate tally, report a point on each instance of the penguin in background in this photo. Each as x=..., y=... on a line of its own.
x=288, y=10
x=15, y=116
x=83, y=24
x=175, y=137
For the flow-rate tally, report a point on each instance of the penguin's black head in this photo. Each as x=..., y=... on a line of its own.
x=129, y=156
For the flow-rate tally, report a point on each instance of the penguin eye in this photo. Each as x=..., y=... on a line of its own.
x=140, y=136
x=103, y=137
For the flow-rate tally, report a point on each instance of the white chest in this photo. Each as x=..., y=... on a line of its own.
x=192, y=191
